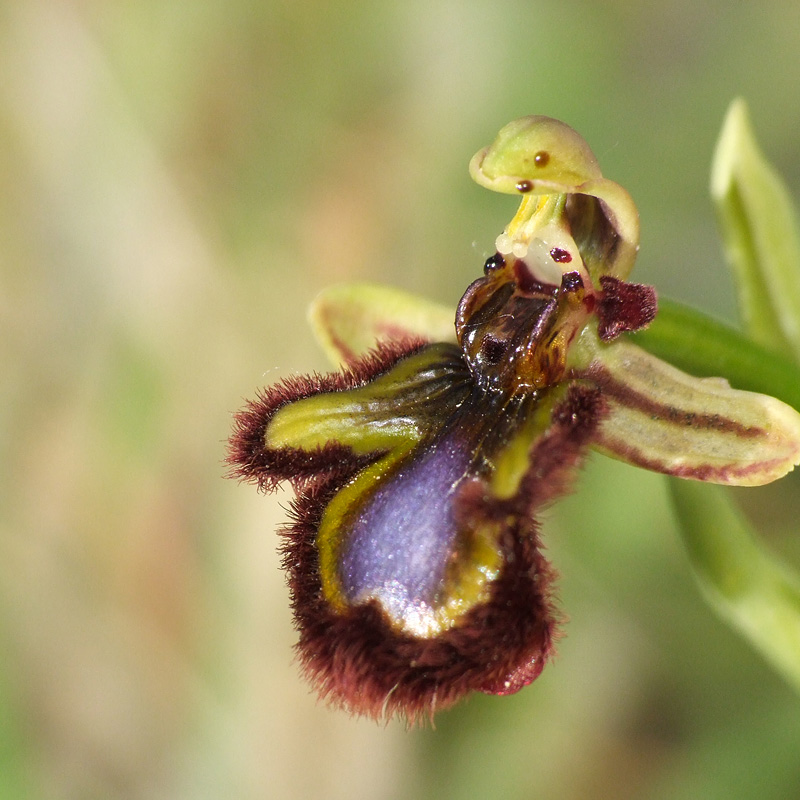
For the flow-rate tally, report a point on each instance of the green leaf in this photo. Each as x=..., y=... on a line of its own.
x=760, y=236
x=753, y=591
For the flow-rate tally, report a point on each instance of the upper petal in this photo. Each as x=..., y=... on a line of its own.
x=348, y=319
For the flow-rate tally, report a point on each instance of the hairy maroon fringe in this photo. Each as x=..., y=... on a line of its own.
x=356, y=661
x=247, y=457
x=624, y=307
x=558, y=454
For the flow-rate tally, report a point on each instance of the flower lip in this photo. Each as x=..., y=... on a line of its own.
x=357, y=662
x=502, y=639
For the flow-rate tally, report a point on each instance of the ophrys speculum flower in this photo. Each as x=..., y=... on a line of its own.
x=413, y=554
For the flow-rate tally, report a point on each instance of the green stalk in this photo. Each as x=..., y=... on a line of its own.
x=752, y=590
x=703, y=346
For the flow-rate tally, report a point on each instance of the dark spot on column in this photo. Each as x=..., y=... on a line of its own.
x=493, y=263
x=524, y=186
x=541, y=158
x=524, y=278
x=560, y=256
x=571, y=282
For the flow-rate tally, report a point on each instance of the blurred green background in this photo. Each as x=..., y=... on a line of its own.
x=178, y=181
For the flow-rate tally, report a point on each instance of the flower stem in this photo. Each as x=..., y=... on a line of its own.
x=703, y=346
x=752, y=590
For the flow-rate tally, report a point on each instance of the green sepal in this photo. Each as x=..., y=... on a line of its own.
x=565, y=196
x=348, y=319
x=704, y=346
x=535, y=148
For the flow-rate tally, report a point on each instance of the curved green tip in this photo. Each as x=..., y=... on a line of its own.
x=534, y=150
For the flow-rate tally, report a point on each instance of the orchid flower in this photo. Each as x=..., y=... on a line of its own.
x=413, y=552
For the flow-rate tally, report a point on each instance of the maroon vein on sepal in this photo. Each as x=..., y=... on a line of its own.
x=725, y=474
x=714, y=464
x=627, y=396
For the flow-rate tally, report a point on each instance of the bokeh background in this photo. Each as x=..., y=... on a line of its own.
x=177, y=181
